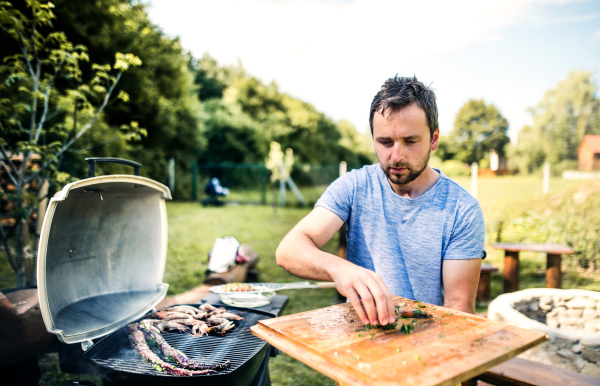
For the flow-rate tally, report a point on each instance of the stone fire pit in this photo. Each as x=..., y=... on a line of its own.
x=571, y=318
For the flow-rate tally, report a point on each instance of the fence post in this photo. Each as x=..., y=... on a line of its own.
x=194, y=180
x=282, y=185
x=172, y=174
x=474, y=171
x=343, y=168
x=263, y=181
x=546, y=183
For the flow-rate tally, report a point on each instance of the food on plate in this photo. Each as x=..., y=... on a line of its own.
x=238, y=287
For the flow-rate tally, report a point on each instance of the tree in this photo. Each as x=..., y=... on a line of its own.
x=478, y=128
x=560, y=121
x=162, y=95
x=566, y=114
x=39, y=117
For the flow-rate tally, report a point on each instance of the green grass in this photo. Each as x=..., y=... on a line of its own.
x=193, y=229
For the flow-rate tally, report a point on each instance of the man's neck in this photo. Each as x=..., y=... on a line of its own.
x=418, y=186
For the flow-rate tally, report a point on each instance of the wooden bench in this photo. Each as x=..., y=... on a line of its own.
x=521, y=372
x=511, y=263
x=483, y=289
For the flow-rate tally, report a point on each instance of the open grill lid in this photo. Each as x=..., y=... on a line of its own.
x=102, y=254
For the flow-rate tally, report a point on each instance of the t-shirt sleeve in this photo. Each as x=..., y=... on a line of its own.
x=468, y=237
x=339, y=196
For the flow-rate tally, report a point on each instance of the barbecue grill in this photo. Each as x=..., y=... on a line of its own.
x=101, y=261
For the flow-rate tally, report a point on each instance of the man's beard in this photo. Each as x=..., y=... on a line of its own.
x=413, y=171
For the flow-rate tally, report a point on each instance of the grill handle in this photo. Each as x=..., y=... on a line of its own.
x=92, y=164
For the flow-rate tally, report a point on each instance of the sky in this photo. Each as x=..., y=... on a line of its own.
x=336, y=54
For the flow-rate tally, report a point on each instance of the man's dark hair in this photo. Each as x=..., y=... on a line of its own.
x=399, y=92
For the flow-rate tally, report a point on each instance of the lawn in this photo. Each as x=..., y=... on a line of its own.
x=193, y=229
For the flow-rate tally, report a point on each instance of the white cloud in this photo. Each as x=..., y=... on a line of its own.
x=596, y=36
x=336, y=54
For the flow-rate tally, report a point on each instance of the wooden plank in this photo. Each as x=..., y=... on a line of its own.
x=546, y=248
x=521, y=372
x=511, y=271
x=553, y=274
x=449, y=348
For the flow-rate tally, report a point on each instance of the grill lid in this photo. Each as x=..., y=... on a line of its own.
x=101, y=255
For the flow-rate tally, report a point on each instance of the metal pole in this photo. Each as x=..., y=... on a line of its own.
x=474, y=171
x=546, y=183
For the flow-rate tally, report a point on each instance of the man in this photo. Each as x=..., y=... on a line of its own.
x=410, y=228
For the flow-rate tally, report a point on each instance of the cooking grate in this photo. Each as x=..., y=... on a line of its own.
x=114, y=352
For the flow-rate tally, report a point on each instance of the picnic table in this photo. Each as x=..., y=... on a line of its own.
x=511, y=262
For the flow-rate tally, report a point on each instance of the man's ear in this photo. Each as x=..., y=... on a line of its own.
x=435, y=139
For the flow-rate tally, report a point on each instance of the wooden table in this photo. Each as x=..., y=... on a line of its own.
x=444, y=350
x=511, y=263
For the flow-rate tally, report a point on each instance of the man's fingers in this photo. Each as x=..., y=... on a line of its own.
x=388, y=299
x=381, y=301
x=368, y=302
x=358, y=307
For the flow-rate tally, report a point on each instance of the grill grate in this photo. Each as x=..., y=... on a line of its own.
x=238, y=345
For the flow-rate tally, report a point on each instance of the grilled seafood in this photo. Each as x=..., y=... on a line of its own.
x=153, y=335
x=203, y=320
x=169, y=325
x=230, y=316
x=168, y=315
x=184, y=309
x=222, y=325
x=138, y=342
x=207, y=307
x=220, y=310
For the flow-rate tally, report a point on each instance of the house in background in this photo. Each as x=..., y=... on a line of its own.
x=588, y=153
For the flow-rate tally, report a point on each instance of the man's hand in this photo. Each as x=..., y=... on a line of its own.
x=461, y=278
x=366, y=291
x=300, y=254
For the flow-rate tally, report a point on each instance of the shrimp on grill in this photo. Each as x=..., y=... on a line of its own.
x=230, y=316
x=221, y=325
x=202, y=329
x=183, y=309
x=195, y=325
x=217, y=311
x=169, y=325
x=167, y=315
x=207, y=307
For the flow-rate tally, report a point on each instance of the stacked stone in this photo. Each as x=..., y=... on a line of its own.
x=569, y=317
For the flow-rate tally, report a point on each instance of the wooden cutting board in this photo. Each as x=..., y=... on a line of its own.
x=449, y=348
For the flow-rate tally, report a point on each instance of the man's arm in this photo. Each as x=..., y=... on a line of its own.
x=300, y=254
x=460, y=278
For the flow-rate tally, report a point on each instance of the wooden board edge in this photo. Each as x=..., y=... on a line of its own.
x=501, y=359
x=307, y=356
x=513, y=371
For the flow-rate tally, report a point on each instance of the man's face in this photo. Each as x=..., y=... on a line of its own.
x=403, y=143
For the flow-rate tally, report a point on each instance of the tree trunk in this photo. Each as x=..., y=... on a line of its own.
x=24, y=257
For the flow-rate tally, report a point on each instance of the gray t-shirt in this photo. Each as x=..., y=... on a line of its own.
x=405, y=240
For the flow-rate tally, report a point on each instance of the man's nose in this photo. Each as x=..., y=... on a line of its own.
x=397, y=154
